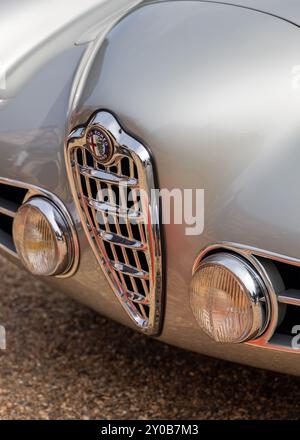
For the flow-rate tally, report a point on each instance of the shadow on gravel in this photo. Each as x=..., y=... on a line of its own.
x=65, y=361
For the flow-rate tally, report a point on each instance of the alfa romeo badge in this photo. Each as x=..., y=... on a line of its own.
x=99, y=144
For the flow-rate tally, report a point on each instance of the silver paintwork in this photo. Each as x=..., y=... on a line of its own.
x=28, y=27
x=285, y=9
x=214, y=78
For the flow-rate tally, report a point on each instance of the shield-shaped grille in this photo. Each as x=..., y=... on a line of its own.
x=111, y=177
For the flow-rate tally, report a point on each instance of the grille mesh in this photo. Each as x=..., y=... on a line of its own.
x=114, y=203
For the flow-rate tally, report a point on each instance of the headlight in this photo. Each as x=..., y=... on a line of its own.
x=42, y=237
x=228, y=299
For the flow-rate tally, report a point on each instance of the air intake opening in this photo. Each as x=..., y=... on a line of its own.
x=291, y=317
x=288, y=305
x=290, y=275
x=6, y=239
x=12, y=194
x=11, y=198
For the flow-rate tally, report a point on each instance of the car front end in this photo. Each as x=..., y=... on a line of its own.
x=149, y=168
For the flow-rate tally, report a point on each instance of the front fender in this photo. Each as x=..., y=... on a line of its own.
x=210, y=89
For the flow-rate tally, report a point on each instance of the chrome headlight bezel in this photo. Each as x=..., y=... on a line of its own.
x=248, y=285
x=59, y=229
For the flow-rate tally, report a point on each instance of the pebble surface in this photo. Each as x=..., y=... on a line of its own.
x=64, y=361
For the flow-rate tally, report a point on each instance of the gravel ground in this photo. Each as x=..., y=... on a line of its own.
x=65, y=361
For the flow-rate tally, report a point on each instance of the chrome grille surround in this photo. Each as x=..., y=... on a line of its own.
x=123, y=233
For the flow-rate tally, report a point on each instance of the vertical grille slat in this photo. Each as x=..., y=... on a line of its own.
x=113, y=198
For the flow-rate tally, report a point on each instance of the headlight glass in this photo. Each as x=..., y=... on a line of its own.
x=227, y=299
x=41, y=237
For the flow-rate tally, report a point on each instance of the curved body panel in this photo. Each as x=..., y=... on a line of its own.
x=287, y=10
x=208, y=87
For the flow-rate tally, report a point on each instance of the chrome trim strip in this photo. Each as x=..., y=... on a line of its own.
x=274, y=287
x=34, y=190
x=8, y=208
x=281, y=342
x=113, y=238
x=132, y=271
x=7, y=212
x=108, y=177
x=290, y=296
x=115, y=209
x=139, y=299
x=248, y=250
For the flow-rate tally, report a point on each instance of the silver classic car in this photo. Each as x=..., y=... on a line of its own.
x=149, y=166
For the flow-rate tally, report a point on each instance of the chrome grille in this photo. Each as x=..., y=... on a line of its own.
x=119, y=216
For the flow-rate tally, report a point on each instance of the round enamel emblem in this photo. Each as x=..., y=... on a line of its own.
x=99, y=144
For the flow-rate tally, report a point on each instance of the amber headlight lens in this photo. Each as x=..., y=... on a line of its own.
x=42, y=238
x=228, y=299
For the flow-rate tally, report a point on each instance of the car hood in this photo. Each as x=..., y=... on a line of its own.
x=288, y=10
x=32, y=32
